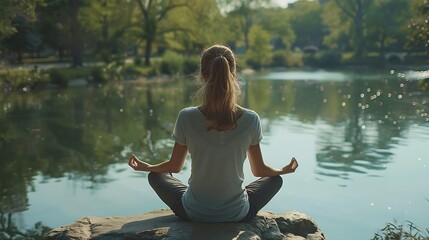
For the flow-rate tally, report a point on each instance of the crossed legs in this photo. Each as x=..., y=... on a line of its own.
x=170, y=191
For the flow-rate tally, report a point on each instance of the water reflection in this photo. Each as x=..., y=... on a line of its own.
x=78, y=133
x=358, y=119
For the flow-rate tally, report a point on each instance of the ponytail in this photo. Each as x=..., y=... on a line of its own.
x=220, y=89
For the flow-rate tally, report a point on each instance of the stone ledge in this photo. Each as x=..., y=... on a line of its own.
x=162, y=224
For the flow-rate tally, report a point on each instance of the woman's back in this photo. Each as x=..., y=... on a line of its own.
x=216, y=182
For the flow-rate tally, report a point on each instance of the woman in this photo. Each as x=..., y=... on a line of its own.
x=219, y=134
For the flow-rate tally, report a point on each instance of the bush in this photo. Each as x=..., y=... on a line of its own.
x=294, y=60
x=58, y=77
x=252, y=63
x=98, y=75
x=114, y=70
x=155, y=69
x=138, y=60
x=329, y=59
x=171, y=63
x=191, y=65
x=424, y=84
x=285, y=58
x=279, y=58
x=310, y=60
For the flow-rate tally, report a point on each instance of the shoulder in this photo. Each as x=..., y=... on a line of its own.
x=250, y=113
x=189, y=112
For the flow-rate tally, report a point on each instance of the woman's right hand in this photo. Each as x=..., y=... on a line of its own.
x=291, y=167
x=136, y=164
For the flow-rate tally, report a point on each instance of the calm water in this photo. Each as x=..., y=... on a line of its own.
x=361, y=140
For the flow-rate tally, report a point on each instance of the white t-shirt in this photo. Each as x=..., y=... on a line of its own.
x=216, y=192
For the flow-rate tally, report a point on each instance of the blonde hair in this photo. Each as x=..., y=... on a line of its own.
x=220, y=91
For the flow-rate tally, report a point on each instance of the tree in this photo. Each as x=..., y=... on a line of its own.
x=419, y=26
x=306, y=21
x=60, y=27
x=259, y=53
x=17, y=43
x=75, y=34
x=105, y=23
x=53, y=26
x=204, y=26
x=356, y=10
x=338, y=27
x=244, y=12
x=276, y=21
x=386, y=23
x=11, y=9
x=154, y=13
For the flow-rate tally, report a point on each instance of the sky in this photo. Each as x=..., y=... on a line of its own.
x=283, y=3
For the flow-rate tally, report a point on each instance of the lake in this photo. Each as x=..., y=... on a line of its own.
x=361, y=139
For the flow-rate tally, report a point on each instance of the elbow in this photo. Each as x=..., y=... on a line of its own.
x=265, y=172
x=176, y=169
x=258, y=174
x=260, y=171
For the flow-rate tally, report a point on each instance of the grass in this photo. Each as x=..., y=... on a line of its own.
x=394, y=231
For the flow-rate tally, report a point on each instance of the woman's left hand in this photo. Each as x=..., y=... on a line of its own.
x=136, y=164
x=291, y=167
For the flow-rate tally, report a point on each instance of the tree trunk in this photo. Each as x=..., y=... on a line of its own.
x=359, y=47
x=148, y=50
x=75, y=45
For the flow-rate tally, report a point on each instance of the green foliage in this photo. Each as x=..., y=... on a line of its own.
x=10, y=9
x=154, y=69
x=172, y=63
x=138, y=60
x=98, y=75
x=112, y=30
x=58, y=77
x=383, y=31
x=198, y=24
x=392, y=231
x=191, y=65
x=295, y=60
x=61, y=76
x=424, y=84
x=243, y=13
x=419, y=26
x=279, y=58
x=324, y=59
x=285, y=58
x=329, y=59
x=153, y=22
x=114, y=70
x=9, y=230
x=105, y=23
x=338, y=26
x=277, y=22
x=22, y=80
x=259, y=53
x=307, y=24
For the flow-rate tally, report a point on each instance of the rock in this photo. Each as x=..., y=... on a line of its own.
x=162, y=224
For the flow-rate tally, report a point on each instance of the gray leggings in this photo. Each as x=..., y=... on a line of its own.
x=170, y=190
